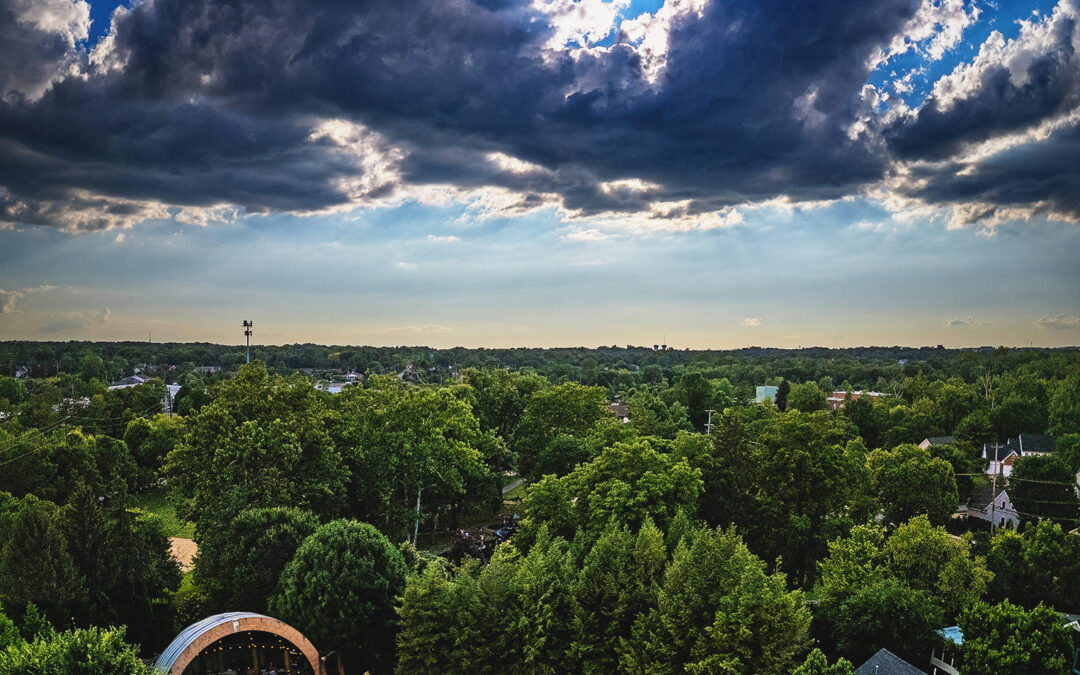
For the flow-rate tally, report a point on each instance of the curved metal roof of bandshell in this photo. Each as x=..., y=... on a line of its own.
x=189, y=635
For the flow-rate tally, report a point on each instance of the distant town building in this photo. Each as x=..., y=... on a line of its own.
x=836, y=401
x=22, y=371
x=766, y=393
x=332, y=387
x=129, y=381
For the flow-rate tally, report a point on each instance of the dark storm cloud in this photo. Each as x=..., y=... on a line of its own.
x=30, y=55
x=1010, y=89
x=216, y=101
x=1044, y=176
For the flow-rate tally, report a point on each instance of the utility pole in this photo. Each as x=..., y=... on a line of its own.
x=247, y=337
x=993, y=489
x=708, y=425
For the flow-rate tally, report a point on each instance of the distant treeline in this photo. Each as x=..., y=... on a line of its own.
x=860, y=367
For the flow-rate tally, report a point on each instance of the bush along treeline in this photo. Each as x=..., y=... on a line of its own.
x=690, y=528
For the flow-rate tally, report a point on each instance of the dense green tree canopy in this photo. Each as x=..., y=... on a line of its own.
x=611, y=568
x=895, y=591
x=91, y=651
x=35, y=565
x=263, y=442
x=1044, y=487
x=416, y=449
x=340, y=589
x=718, y=611
x=238, y=567
x=1040, y=564
x=626, y=484
x=568, y=409
x=1010, y=640
x=909, y=482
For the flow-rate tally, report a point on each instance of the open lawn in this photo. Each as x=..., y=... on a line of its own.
x=157, y=502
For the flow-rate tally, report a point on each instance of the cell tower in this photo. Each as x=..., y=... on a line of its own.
x=247, y=337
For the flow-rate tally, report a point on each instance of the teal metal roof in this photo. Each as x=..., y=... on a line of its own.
x=766, y=392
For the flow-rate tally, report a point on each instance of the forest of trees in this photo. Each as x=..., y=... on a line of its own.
x=710, y=533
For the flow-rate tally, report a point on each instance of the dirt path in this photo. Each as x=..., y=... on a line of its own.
x=184, y=551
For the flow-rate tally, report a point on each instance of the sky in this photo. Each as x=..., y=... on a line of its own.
x=700, y=173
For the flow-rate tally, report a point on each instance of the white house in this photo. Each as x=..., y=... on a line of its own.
x=995, y=508
x=1002, y=456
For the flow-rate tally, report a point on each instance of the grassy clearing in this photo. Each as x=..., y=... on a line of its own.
x=187, y=585
x=156, y=501
x=517, y=494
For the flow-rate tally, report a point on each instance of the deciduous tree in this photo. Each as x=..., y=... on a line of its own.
x=340, y=591
x=1006, y=639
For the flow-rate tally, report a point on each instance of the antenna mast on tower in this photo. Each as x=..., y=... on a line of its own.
x=247, y=337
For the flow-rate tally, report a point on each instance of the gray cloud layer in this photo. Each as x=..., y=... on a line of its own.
x=209, y=102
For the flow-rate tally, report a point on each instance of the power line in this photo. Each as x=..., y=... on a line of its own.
x=21, y=440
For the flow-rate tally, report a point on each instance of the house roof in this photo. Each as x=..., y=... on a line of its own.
x=981, y=498
x=941, y=440
x=997, y=452
x=887, y=663
x=1035, y=443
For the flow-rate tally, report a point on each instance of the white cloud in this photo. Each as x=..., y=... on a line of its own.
x=969, y=321
x=937, y=27
x=206, y=215
x=590, y=234
x=67, y=18
x=59, y=322
x=649, y=32
x=9, y=298
x=1037, y=38
x=580, y=22
x=39, y=21
x=750, y=321
x=82, y=211
x=7, y=301
x=1061, y=321
x=448, y=239
x=401, y=265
